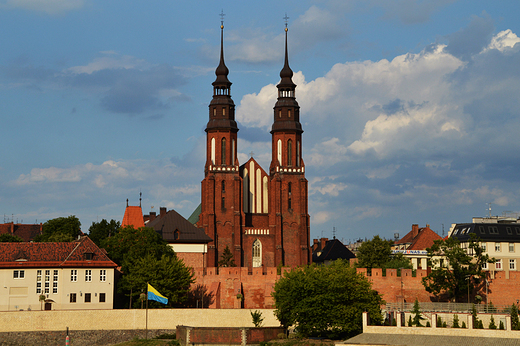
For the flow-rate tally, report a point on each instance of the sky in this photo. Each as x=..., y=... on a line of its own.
x=410, y=108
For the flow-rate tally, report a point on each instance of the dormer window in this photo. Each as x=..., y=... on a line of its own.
x=88, y=256
x=176, y=234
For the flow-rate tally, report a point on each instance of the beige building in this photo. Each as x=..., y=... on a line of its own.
x=500, y=237
x=55, y=276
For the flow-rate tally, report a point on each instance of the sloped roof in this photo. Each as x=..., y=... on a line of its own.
x=421, y=241
x=173, y=222
x=497, y=232
x=25, y=231
x=333, y=250
x=52, y=255
x=194, y=217
x=133, y=217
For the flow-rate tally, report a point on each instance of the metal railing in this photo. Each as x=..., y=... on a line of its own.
x=449, y=307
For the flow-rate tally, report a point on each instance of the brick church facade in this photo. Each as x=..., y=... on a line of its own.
x=261, y=216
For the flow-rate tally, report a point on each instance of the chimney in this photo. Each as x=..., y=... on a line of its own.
x=12, y=227
x=415, y=230
x=163, y=211
x=315, y=243
x=152, y=215
x=323, y=242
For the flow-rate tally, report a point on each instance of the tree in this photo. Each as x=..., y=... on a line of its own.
x=458, y=268
x=167, y=274
x=10, y=238
x=456, y=321
x=61, y=229
x=416, y=311
x=257, y=318
x=326, y=300
x=100, y=231
x=227, y=260
x=492, y=324
x=377, y=253
x=515, y=325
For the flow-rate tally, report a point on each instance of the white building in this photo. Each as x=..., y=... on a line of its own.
x=55, y=276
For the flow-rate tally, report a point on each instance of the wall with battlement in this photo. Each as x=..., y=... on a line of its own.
x=234, y=288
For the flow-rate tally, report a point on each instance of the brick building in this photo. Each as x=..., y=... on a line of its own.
x=25, y=231
x=261, y=216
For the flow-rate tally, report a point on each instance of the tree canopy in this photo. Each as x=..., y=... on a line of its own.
x=325, y=301
x=100, y=231
x=377, y=253
x=10, y=238
x=145, y=257
x=61, y=229
x=454, y=268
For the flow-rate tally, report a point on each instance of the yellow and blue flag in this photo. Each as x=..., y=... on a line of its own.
x=153, y=294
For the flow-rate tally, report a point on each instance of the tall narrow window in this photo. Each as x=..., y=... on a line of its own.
x=223, y=186
x=223, y=152
x=289, y=203
x=103, y=275
x=232, y=152
x=297, y=153
x=55, y=282
x=223, y=202
x=279, y=151
x=257, y=253
x=223, y=112
x=213, y=150
x=88, y=275
x=289, y=152
x=73, y=275
x=289, y=113
x=47, y=281
x=38, y=281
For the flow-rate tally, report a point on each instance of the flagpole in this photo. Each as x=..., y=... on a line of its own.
x=146, y=310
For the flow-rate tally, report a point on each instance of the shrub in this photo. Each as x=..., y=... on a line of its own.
x=410, y=323
x=444, y=324
x=456, y=321
x=428, y=324
x=501, y=325
x=463, y=325
x=257, y=318
x=439, y=322
x=492, y=324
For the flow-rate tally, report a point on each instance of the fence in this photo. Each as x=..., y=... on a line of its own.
x=448, y=307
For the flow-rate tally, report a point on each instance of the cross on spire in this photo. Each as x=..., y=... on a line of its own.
x=251, y=153
x=222, y=14
x=286, y=19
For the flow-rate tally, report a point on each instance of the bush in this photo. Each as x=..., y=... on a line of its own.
x=501, y=325
x=439, y=322
x=492, y=324
x=428, y=324
x=410, y=323
x=257, y=318
x=456, y=321
x=444, y=324
x=480, y=324
x=463, y=325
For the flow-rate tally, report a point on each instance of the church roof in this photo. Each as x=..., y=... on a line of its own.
x=52, y=255
x=194, y=217
x=25, y=231
x=176, y=229
x=133, y=217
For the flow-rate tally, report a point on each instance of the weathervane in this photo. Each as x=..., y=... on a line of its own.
x=251, y=153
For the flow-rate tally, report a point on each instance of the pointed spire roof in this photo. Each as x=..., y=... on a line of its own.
x=222, y=71
x=286, y=73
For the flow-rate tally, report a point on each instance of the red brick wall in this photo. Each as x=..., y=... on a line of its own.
x=257, y=285
x=192, y=259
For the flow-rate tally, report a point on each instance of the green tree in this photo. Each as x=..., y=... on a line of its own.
x=454, y=268
x=100, y=231
x=61, y=229
x=416, y=311
x=227, y=260
x=377, y=253
x=492, y=324
x=10, y=238
x=167, y=274
x=326, y=300
x=456, y=321
x=257, y=318
x=515, y=325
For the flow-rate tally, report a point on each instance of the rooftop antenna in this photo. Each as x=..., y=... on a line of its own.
x=443, y=230
x=127, y=202
x=140, y=195
x=333, y=228
x=489, y=208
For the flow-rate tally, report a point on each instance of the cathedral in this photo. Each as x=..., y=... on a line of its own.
x=260, y=216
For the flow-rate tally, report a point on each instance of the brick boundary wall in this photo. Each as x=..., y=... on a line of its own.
x=257, y=284
x=226, y=336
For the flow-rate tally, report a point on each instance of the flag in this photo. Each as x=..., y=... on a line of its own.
x=153, y=294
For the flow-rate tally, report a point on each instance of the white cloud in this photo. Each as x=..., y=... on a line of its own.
x=111, y=60
x=49, y=6
x=503, y=40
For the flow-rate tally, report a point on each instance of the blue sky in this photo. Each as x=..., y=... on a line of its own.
x=410, y=108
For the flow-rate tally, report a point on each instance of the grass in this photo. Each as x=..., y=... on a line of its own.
x=149, y=342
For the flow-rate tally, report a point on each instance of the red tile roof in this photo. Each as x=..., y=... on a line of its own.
x=419, y=238
x=25, y=231
x=133, y=217
x=52, y=255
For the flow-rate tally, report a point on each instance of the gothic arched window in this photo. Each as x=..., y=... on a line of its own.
x=289, y=152
x=223, y=152
x=257, y=253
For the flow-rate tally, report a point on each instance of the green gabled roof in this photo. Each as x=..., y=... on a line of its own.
x=194, y=217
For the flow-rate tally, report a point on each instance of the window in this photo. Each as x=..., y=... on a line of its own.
x=223, y=152
x=102, y=298
x=88, y=297
x=223, y=112
x=512, y=264
x=517, y=230
x=47, y=281
x=493, y=230
x=289, y=113
x=74, y=275
x=55, y=282
x=289, y=203
x=38, y=281
x=19, y=274
x=257, y=253
x=509, y=230
x=511, y=247
x=289, y=153
x=103, y=275
x=73, y=297
x=497, y=247
x=482, y=230
x=223, y=202
x=483, y=246
x=484, y=266
x=498, y=265
x=223, y=186
x=88, y=256
x=88, y=275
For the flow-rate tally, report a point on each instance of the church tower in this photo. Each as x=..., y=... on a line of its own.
x=288, y=186
x=221, y=204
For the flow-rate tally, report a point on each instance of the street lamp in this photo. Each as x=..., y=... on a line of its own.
x=467, y=278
